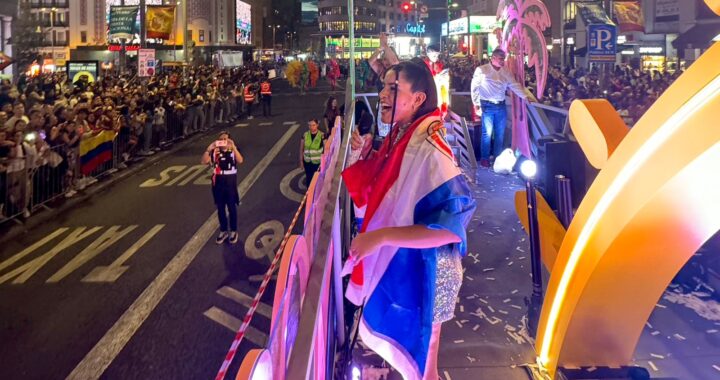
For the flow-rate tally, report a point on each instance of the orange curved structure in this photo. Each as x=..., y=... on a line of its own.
x=654, y=203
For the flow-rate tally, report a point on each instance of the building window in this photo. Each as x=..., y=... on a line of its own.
x=83, y=37
x=83, y=12
x=189, y=35
x=210, y=35
x=201, y=35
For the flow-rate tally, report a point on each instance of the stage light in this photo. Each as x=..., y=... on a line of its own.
x=528, y=169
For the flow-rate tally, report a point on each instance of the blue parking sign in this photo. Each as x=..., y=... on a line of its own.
x=602, y=43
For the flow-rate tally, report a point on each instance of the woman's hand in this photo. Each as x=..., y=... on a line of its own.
x=365, y=244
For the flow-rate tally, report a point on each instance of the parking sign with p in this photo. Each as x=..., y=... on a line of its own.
x=602, y=43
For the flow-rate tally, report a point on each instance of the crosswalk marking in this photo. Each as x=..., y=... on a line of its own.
x=108, y=238
x=233, y=324
x=266, y=123
x=245, y=300
x=242, y=125
x=289, y=122
x=113, y=271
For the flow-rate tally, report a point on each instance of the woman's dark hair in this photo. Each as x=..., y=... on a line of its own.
x=328, y=104
x=418, y=74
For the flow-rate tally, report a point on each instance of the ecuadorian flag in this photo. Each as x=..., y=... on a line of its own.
x=95, y=150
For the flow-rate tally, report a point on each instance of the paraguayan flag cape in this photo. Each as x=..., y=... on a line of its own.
x=415, y=182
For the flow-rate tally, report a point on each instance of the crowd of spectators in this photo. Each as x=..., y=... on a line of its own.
x=44, y=119
x=630, y=90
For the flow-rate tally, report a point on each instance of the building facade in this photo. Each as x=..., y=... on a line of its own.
x=371, y=17
x=8, y=12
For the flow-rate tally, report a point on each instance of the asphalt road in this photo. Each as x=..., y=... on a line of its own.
x=131, y=285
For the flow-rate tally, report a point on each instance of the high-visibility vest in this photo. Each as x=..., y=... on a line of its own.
x=313, y=147
x=265, y=88
x=249, y=95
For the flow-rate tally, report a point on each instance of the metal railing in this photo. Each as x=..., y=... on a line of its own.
x=45, y=173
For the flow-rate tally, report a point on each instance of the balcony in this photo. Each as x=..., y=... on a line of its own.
x=61, y=24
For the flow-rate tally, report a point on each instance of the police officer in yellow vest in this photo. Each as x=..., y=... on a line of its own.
x=311, y=149
x=266, y=97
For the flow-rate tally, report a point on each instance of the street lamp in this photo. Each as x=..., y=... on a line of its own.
x=274, y=28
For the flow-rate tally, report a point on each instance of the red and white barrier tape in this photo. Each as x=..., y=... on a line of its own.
x=248, y=316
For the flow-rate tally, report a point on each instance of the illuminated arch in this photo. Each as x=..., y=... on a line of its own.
x=655, y=202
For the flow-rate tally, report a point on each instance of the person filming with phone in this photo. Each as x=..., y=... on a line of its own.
x=222, y=155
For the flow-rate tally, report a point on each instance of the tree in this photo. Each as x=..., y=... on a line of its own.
x=27, y=38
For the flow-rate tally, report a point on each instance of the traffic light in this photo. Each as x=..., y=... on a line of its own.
x=405, y=7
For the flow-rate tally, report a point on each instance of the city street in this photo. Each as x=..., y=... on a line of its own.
x=131, y=284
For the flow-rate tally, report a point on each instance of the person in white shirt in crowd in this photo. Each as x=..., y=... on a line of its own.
x=488, y=87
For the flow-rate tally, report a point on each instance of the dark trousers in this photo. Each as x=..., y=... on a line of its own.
x=310, y=169
x=249, y=108
x=266, y=104
x=223, y=216
x=494, y=120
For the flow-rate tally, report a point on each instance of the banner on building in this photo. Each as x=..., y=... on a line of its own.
x=5, y=61
x=629, y=16
x=593, y=13
x=122, y=21
x=146, y=62
x=159, y=21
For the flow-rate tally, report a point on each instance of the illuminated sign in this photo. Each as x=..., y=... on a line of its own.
x=443, y=29
x=459, y=26
x=483, y=24
x=243, y=24
x=651, y=50
x=413, y=28
x=116, y=47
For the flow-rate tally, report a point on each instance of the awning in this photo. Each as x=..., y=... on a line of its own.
x=699, y=36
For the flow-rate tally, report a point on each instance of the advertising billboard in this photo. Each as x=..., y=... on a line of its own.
x=243, y=23
x=78, y=70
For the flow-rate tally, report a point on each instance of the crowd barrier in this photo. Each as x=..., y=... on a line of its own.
x=46, y=173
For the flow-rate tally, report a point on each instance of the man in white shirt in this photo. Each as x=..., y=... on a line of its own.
x=488, y=87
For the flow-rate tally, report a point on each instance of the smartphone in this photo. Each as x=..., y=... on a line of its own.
x=30, y=137
x=221, y=143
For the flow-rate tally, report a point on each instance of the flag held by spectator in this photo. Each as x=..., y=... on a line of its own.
x=5, y=61
x=160, y=21
x=629, y=16
x=95, y=150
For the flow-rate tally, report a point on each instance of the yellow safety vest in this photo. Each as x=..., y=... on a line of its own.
x=313, y=147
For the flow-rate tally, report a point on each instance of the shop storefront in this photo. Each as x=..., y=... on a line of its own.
x=652, y=57
x=473, y=35
x=339, y=47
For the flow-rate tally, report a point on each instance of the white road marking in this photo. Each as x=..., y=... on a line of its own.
x=32, y=248
x=290, y=123
x=188, y=175
x=233, y=324
x=260, y=277
x=241, y=125
x=164, y=176
x=269, y=235
x=24, y=272
x=108, y=238
x=287, y=190
x=113, y=271
x=243, y=299
x=265, y=123
x=99, y=358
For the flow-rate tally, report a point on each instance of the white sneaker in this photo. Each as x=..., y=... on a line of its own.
x=26, y=214
x=70, y=193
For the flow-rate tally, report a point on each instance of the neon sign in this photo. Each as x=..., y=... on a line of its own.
x=415, y=28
